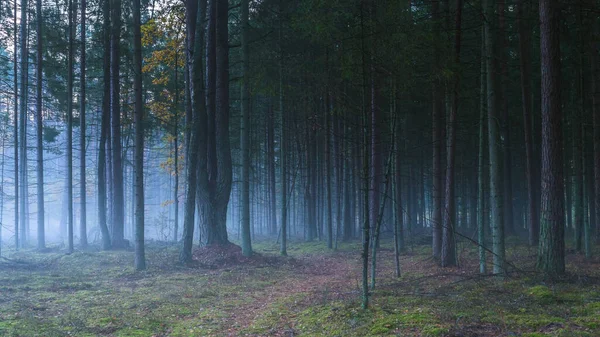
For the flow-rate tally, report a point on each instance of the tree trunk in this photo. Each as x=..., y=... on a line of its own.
x=82, y=150
x=104, y=128
x=448, y=258
x=494, y=141
x=551, y=251
x=41, y=238
x=71, y=29
x=195, y=16
x=595, y=71
x=438, y=99
x=526, y=94
x=140, y=257
x=245, y=137
x=271, y=169
x=505, y=130
x=118, y=206
x=481, y=160
x=284, y=146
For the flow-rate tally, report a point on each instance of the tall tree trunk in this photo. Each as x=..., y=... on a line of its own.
x=284, y=146
x=245, y=137
x=481, y=160
x=41, y=237
x=195, y=15
x=23, y=120
x=271, y=169
x=438, y=99
x=82, y=150
x=505, y=129
x=494, y=140
x=328, y=164
x=595, y=72
x=140, y=257
x=71, y=29
x=551, y=253
x=104, y=128
x=526, y=94
x=16, y=126
x=217, y=233
x=448, y=258
x=118, y=206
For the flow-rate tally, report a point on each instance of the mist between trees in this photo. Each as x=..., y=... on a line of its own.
x=206, y=122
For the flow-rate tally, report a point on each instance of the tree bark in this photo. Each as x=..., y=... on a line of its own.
x=140, y=257
x=118, y=207
x=82, y=157
x=526, y=94
x=551, y=251
x=41, y=237
x=494, y=141
x=438, y=99
x=71, y=29
x=245, y=137
x=448, y=258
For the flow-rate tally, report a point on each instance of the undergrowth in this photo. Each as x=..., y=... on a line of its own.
x=314, y=292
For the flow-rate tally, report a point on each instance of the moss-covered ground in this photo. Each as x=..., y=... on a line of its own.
x=313, y=292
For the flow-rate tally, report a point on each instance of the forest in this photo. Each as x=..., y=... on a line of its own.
x=300, y=168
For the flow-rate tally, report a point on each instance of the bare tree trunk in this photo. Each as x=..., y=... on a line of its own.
x=526, y=94
x=24, y=58
x=551, y=253
x=140, y=258
x=104, y=128
x=41, y=237
x=494, y=141
x=595, y=71
x=195, y=15
x=481, y=160
x=16, y=127
x=438, y=99
x=505, y=129
x=118, y=200
x=245, y=137
x=71, y=28
x=284, y=146
x=82, y=150
x=448, y=258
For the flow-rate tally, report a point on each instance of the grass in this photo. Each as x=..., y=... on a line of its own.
x=314, y=292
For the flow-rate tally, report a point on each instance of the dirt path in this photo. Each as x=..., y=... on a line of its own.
x=318, y=279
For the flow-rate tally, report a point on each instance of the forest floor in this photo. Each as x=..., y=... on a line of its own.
x=313, y=292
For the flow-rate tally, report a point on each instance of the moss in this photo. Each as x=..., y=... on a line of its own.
x=533, y=321
x=433, y=331
x=541, y=294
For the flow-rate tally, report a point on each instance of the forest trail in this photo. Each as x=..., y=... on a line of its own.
x=314, y=280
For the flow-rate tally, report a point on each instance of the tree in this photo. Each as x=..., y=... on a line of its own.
x=195, y=17
x=71, y=34
x=551, y=250
x=448, y=257
x=284, y=146
x=118, y=199
x=104, y=127
x=494, y=140
x=23, y=121
x=245, y=142
x=481, y=160
x=41, y=238
x=438, y=99
x=140, y=258
x=526, y=94
x=82, y=135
